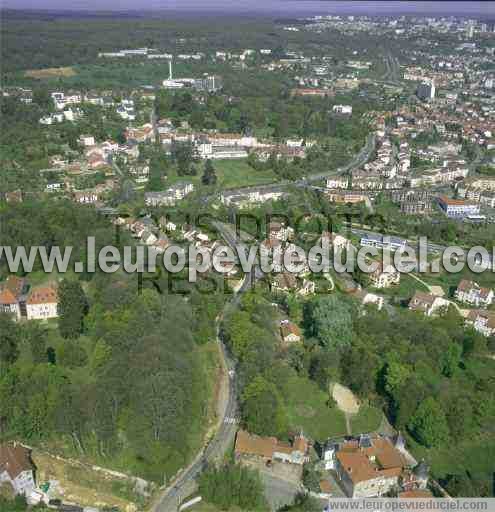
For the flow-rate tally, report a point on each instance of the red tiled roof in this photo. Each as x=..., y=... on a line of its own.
x=14, y=459
x=11, y=290
x=43, y=295
x=379, y=460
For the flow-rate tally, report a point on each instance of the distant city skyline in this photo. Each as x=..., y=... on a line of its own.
x=276, y=7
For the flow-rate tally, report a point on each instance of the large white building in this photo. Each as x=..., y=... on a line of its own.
x=170, y=196
x=457, y=208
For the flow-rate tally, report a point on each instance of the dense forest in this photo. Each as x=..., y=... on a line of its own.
x=50, y=40
x=121, y=378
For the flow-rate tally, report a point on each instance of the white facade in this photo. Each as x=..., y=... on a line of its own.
x=41, y=311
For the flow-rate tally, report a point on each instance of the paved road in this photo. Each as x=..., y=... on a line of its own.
x=184, y=485
x=357, y=161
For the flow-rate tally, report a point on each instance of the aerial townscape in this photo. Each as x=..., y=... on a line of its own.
x=281, y=129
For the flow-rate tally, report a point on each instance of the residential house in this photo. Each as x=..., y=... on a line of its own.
x=280, y=231
x=473, y=293
x=148, y=238
x=284, y=282
x=270, y=449
x=482, y=321
x=16, y=468
x=367, y=466
x=384, y=277
x=427, y=303
x=338, y=242
x=308, y=288
x=271, y=250
x=161, y=244
x=42, y=303
x=11, y=296
x=289, y=331
x=141, y=134
x=342, y=109
x=89, y=196
x=371, y=298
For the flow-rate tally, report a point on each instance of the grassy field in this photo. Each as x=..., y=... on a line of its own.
x=230, y=174
x=404, y=290
x=474, y=455
x=237, y=173
x=308, y=409
x=368, y=419
x=450, y=281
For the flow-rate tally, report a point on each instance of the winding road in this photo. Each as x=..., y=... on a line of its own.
x=184, y=483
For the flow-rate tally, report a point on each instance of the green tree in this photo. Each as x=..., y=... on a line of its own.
x=233, y=485
x=429, y=424
x=451, y=359
x=209, y=177
x=263, y=410
x=72, y=306
x=9, y=338
x=329, y=319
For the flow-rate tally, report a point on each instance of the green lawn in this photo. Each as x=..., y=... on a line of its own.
x=237, y=173
x=450, y=281
x=404, y=290
x=230, y=174
x=476, y=456
x=368, y=419
x=308, y=409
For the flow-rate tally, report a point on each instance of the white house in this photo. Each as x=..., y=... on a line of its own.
x=342, y=109
x=371, y=298
x=289, y=331
x=384, y=277
x=427, y=303
x=472, y=293
x=482, y=321
x=87, y=140
x=42, y=303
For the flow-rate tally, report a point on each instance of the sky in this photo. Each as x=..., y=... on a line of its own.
x=278, y=7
